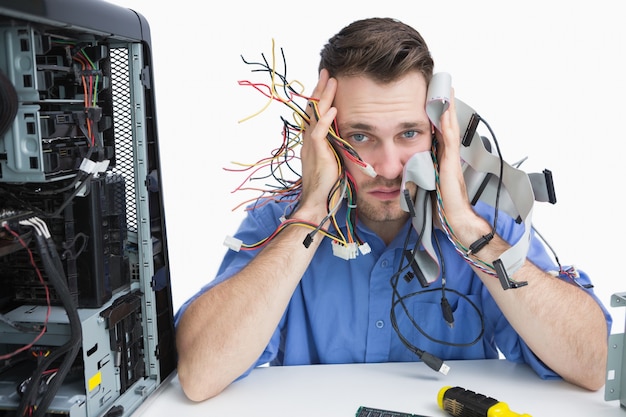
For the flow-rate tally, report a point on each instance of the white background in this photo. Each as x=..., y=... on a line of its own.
x=548, y=76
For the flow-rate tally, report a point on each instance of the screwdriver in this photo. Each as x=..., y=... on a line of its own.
x=460, y=402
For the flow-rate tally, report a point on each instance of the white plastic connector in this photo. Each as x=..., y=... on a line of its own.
x=233, y=243
x=444, y=369
x=102, y=166
x=369, y=170
x=365, y=248
x=344, y=252
x=90, y=167
x=87, y=166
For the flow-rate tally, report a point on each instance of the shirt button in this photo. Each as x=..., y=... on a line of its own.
x=384, y=263
x=380, y=324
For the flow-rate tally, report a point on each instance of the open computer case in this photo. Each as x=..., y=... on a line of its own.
x=86, y=316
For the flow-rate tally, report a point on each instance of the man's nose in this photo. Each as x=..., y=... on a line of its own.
x=387, y=161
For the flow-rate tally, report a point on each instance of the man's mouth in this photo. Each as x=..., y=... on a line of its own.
x=385, y=194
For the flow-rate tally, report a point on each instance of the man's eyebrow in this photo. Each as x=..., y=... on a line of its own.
x=369, y=128
x=421, y=124
x=359, y=126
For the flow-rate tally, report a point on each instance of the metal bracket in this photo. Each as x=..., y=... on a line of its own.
x=615, y=386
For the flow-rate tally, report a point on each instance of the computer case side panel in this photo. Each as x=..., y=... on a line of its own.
x=83, y=232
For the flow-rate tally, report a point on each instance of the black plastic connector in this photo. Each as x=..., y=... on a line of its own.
x=415, y=268
x=94, y=113
x=481, y=189
x=549, y=186
x=471, y=130
x=505, y=281
x=446, y=310
x=409, y=202
x=480, y=243
x=308, y=240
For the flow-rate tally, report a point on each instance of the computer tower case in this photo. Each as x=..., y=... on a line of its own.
x=86, y=316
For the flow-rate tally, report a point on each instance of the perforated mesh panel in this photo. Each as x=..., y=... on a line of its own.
x=122, y=126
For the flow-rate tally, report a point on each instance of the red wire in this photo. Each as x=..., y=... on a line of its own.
x=44, y=329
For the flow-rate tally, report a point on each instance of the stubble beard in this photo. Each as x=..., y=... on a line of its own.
x=377, y=211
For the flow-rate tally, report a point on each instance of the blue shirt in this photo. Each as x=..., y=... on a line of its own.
x=340, y=310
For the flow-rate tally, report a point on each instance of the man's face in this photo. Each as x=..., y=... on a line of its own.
x=386, y=124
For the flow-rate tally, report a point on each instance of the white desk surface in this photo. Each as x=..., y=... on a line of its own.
x=339, y=390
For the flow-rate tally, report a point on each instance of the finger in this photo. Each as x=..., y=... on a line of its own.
x=323, y=114
x=327, y=95
x=312, y=104
x=449, y=134
x=321, y=83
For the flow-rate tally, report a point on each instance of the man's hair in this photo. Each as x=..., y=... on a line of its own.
x=383, y=49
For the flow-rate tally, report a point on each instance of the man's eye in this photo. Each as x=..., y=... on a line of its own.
x=358, y=138
x=410, y=134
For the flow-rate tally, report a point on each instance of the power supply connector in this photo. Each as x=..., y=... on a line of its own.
x=233, y=243
x=347, y=252
x=369, y=170
x=365, y=248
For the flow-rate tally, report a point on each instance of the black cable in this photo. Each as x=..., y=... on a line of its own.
x=446, y=309
x=30, y=399
x=76, y=187
x=484, y=240
x=431, y=360
x=436, y=365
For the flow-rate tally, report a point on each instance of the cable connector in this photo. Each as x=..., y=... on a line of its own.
x=233, y=243
x=365, y=248
x=87, y=166
x=369, y=170
x=409, y=203
x=435, y=363
x=308, y=240
x=471, y=130
x=90, y=167
x=342, y=251
x=503, y=276
x=480, y=243
x=446, y=310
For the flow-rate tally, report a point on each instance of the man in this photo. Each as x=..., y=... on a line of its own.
x=290, y=303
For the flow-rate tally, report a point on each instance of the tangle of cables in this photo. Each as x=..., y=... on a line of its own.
x=89, y=76
x=398, y=300
x=38, y=391
x=280, y=163
x=469, y=253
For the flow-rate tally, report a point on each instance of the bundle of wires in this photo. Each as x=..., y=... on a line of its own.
x=38, y=391
x=89, y=76
x=280, y=162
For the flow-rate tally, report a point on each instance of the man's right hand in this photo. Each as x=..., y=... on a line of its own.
x=320, y=169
